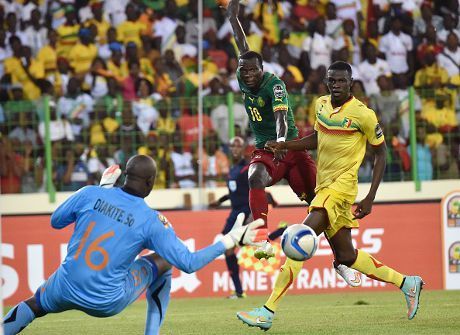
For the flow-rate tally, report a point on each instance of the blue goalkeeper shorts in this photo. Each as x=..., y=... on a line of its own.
x=55, y=295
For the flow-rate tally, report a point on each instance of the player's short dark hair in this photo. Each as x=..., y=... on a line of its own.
x=341, y=66
x=251, y=55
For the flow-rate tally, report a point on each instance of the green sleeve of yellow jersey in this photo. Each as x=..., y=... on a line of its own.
x=371, y=128
x=279, y=96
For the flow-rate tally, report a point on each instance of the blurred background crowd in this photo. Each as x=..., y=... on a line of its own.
x=120, y=78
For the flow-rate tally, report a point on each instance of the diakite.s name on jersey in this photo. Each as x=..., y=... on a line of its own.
x=342, y=136
x=261, y=104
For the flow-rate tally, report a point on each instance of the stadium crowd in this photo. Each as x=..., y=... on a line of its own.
x=121, y=78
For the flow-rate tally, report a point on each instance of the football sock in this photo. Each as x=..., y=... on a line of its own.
x=157, y=302
x=259, y=205
x=372, y=268
x=234, y=270
x=288, y=272
x=18, y=318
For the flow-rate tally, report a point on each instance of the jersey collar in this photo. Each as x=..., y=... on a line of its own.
x=337, y=110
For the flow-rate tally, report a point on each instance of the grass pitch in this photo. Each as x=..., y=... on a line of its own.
x=348, y=313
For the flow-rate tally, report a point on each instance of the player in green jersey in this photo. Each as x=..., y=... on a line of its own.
x=271, y=118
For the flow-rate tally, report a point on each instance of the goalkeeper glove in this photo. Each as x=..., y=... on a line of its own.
x=110, y=176
x=242, y=235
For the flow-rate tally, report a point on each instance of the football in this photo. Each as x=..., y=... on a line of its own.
x=299, y=242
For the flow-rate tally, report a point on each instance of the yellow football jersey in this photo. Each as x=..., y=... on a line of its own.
x=130, y=31
x=342, y=136
x=81, y=56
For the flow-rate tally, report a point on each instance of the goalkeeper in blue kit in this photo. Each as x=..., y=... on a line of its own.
x=100, y=274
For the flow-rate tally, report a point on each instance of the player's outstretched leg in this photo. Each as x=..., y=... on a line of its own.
x=263, y=317
x=18, y=318
x=158, y=295
x=260, y=317
x=259, y=178
x=351, y=277
x=410, y=285
x=234, y=270
x=21, y=315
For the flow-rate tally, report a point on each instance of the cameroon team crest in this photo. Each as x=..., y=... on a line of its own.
x=261, y=102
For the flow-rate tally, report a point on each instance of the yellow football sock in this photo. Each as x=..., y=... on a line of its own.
x=372, y=268
x=288, y=272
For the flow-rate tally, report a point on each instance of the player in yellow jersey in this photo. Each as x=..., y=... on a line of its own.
x=343, y=127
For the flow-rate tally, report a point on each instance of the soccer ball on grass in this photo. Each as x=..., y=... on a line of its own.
x=299, y=242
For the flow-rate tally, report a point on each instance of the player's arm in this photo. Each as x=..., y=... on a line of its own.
x=280, y=104
x=371, y=128
x=380, y=153
x=219, y=201
x=281, y=132
x=281, y=125
x=240, y=38
x=364, y=207
x=66, y=213
x=165, y=242
x=175, y=252
x=309, y=142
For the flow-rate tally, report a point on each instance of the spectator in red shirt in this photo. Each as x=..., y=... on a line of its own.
x=11, y=167
x=188, y=125
x=430, y=44
x=214, y=52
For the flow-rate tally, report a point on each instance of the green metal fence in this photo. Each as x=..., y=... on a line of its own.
x=49, y=146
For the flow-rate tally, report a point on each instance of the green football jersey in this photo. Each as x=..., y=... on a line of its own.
x=271, y=97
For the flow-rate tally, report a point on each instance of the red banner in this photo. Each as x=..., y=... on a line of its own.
x=406, y=237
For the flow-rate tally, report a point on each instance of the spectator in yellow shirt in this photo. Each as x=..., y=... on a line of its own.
x=132, y=54
x=11, y=63
x=269, y=14
x=25, y=70
x=132, y=28
x=440, y=113
x=98, y=20
x=104, y=50
x=163, y=83
x=116, y=65
x=68, y=32
x=48, y=54
x=165, y=123
x=431, y=76
x=292, y=71
x=255, y=40
x=82, y=54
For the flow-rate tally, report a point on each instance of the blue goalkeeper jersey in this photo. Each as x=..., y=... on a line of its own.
x=111, y=228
